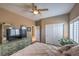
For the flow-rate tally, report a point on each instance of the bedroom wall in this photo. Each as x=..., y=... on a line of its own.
x=15, y=19
x=53, y=20
x=75, y=12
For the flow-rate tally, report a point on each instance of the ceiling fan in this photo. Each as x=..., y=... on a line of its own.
x=36, y=10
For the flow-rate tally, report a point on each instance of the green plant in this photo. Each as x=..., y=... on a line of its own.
x=64, y=41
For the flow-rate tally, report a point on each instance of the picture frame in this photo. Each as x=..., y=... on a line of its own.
x=29, y=29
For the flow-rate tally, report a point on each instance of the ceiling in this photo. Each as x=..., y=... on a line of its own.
x=54, y=9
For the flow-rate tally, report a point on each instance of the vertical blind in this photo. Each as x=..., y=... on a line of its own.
x=54, y=32
x=74, y=31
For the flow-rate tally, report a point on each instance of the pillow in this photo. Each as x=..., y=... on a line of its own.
x=74, y=51
x=65, y=47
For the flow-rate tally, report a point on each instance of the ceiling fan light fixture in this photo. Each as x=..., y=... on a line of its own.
x=35, y=12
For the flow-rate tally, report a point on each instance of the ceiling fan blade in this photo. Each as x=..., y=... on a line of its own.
x=43, y=9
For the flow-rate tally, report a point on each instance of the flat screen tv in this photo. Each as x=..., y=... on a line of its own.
x=15, y=33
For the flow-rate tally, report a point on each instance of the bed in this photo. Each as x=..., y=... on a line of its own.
x=41, y=49
x=38, y=49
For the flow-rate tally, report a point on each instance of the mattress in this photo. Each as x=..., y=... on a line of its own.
x=38, y=49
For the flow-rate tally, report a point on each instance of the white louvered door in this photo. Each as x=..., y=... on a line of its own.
x=53, y=33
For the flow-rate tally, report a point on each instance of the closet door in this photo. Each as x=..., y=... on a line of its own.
x=37, y=33
x=53, y=33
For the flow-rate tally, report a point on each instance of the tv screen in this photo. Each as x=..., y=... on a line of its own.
x=15, y=33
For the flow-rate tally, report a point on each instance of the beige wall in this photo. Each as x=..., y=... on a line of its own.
x=53, y=20
x=9, y=17
x=75, y=12
x=15, y=19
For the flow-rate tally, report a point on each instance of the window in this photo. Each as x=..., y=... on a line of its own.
x=74, y=31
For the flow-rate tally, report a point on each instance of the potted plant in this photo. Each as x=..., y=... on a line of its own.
x=64, y=41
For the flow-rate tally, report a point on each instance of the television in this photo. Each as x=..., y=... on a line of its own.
x=13, y=34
